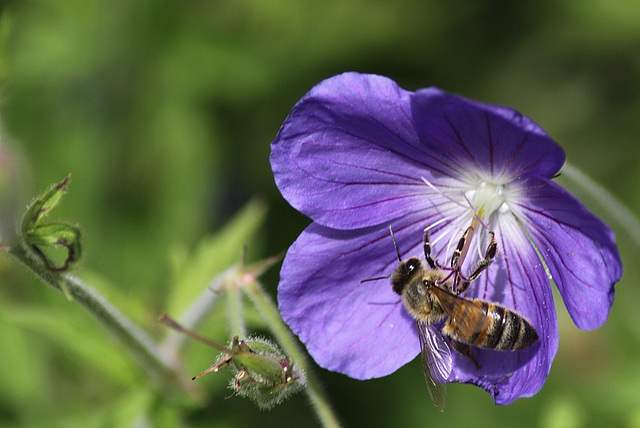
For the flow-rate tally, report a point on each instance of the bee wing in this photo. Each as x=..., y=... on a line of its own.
x=469, y=316
x=436, y=362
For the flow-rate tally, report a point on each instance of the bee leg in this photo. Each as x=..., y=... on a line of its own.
x=456, y=260
x=427, y=250
x=459, y=283
x=467, y=351
x=473, y=360
x=489, y=255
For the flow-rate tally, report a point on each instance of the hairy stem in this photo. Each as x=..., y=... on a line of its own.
x=192, y=318
x=291, y=348
x=615, y=211
x=136, y=341
x=234, y=307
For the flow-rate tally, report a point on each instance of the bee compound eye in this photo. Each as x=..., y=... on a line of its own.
x=409, y=267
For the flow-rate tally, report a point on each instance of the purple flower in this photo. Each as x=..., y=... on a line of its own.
x=358, y=154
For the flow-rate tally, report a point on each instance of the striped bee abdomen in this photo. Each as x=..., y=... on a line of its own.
x=508, y=331
x=489, y=325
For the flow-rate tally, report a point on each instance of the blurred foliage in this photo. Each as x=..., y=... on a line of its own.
x=163, y=110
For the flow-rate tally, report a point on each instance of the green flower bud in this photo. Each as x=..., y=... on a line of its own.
x=262, y=372
x=45, y=240
x=43, y=204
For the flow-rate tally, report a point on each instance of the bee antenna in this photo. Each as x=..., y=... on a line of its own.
x=395, y=244
x=375, y=279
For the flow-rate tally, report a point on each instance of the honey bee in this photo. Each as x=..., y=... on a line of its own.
x=431, y=295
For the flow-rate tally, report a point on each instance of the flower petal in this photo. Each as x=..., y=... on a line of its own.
x=357, y=328
x=462, y=134
x=578, y=248
x=345, y=154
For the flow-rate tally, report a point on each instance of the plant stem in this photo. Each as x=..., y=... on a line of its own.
x=234, y=306
x=614, y=209
x=290, y=347
x=137, y=342
x=192, y=317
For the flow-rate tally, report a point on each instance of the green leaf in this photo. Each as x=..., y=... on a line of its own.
x=129, y=409
x=45, y=238
x=23, y=372
x=43, y=204
x=213, y=255
x=84, y=343
x=53, y=234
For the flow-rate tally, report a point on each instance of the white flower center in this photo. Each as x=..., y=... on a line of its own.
x=482, y=202
x=488, y=198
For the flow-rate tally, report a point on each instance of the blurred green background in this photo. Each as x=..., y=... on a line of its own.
x=164, y=111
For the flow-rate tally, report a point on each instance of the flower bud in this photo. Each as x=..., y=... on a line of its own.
x=44, y=239
x=265, y=375
x=262, y=372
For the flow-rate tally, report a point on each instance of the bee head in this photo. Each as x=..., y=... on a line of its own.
x=405, y=272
